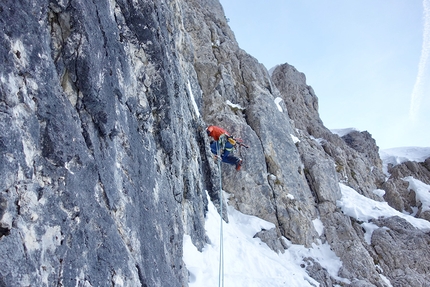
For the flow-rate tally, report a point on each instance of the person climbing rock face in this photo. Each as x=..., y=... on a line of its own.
x=222, y=146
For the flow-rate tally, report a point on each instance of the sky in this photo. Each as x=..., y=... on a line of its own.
x=249, y=262
x=368, y=61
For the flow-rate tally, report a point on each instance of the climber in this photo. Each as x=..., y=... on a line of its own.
x=224, y=143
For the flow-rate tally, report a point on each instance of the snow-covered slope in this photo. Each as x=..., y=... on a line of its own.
x=250, y=262
x=247, y=260
x=400, y=155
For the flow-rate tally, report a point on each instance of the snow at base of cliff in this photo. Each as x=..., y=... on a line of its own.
x=250, y=262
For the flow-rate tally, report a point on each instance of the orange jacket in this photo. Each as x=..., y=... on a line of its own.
x=216, y=132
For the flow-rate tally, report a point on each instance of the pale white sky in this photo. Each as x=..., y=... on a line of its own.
x=368, y=61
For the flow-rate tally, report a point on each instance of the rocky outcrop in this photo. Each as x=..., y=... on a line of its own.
x=105, y=163
x=355, y=154
x=327, y=158
x=402, y=251
x=419, y=170
x=398, y=194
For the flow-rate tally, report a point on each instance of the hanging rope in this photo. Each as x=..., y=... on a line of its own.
x=221, y=235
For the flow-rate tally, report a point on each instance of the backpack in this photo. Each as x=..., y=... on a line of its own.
x=231, y=140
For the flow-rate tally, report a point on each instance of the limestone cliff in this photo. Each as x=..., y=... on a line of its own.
x=104, y=161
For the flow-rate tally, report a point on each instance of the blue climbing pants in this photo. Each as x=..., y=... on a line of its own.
x=225, y=156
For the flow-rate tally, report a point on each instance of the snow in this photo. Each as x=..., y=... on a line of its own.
x=247, y=260
x=234, y=106
x=277, y=101
x=364, y=209
x=369, y=228
x=379, y=192
x=295, y=139
x=422, y=191
x=343, y=132
x=196, y=108
x=318, y=225
x=250, y=262
x=272, y=70
x=400, y=155
x=385, y=279
x=395, y=156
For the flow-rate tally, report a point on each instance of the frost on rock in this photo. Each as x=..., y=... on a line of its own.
x=234, y=106
x=277, y=101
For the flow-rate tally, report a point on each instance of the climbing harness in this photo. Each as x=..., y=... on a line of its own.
x=221, y=235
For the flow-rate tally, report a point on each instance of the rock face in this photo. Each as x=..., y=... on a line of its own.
x=398, y=194
x=402, y=251
x=104, y=161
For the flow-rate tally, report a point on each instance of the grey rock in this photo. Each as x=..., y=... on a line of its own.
x=398, y=194
x=95, y=172
x=361, y=283
x=318, y=272
x=320, y=171
x=104, y=161
x=419, y=170
x=402, y=251
x=272, y=239
x=424, y=214
x=227, y=73
x=326, y=160
x=392, y=195
x=355, y=156
x=343, y=239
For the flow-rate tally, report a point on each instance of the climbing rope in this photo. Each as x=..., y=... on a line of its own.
x=221, y=235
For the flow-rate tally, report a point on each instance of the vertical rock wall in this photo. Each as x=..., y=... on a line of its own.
x=102, y=157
